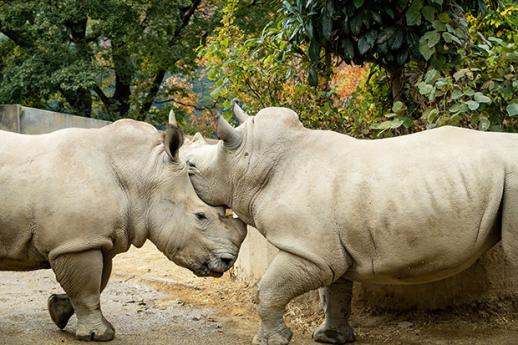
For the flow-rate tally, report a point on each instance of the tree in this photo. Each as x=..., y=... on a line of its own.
x=103, y=58
x=388, y=33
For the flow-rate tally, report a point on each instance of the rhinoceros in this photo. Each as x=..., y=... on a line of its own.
x=73, y=199
x=407, y=210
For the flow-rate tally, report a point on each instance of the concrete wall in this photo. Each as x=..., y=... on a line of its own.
x=16, y=118
x=488, y=278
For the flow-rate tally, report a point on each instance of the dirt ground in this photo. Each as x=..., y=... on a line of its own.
x=149, y=300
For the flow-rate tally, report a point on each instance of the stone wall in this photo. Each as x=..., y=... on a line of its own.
x=20, y=119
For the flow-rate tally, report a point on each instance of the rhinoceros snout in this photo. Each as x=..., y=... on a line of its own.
x=226, y=261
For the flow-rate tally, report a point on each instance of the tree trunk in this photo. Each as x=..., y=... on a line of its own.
x=155, y=87
x=396, y=83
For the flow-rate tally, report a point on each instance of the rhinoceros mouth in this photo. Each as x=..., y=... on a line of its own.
x=204, y=270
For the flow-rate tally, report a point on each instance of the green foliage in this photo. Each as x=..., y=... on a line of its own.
x=483, y=94
x=97, y=58
x=387, y=33
x=260, y=72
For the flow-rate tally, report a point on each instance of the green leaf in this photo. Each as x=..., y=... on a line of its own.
x=438, y=25
x=469, y=92
x=459, y=74
x=481, y=98
x=397, y=40
x=398, y=107
x=425, y=50
x=456, y=94
x=472, y=105
x=313, y=76
x=385, y=34
x=366, y=42
x=358, y=3
x=327, y=26
x=448, y=38
x=512, y=109
x=431, y=115
x=483, y=123
x=433, y=37
x=458, y=108
x=413, y=13
x=391, y=124
x=429, y=13
x=444, y=17
x=431, y=76
x=356, y=24
x=424, y=88
x=314, y=51
x=348, y=49
x=439, y=2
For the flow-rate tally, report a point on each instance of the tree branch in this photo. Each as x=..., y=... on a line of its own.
x=159, y=77
x=105, y=99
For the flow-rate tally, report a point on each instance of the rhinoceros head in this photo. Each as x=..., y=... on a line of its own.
x=188, y=231
x=232, y=171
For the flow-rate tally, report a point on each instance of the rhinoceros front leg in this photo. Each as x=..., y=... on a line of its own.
x=80, y=275
x=287, y=277
x=336, y=302
x=59, y=305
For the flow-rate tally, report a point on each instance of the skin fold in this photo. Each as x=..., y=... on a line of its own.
x=75, y=198
x=406, y=210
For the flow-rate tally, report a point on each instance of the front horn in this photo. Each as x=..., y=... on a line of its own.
x=226, y=132
x=239, y=112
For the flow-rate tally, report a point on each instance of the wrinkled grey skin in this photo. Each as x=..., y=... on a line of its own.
x=406, y=210
x=74, y=198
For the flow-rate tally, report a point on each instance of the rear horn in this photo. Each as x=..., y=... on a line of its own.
x=239, y=112
x=226, y=132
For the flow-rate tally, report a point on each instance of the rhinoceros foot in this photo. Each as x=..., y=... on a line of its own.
x=281, y=337
x=60, y=309
x=88, y=331
x=334, y=335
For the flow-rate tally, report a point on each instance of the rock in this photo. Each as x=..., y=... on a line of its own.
x=405, y=324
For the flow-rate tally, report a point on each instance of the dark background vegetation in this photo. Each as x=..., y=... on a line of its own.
x=365, y=68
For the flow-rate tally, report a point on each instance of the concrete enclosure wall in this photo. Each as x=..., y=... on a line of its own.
x=25, y=120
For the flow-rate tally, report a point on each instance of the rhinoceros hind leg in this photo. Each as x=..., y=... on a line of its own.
x=336, y=302
x=60, y=309
x=80, y=275
x=288, y=276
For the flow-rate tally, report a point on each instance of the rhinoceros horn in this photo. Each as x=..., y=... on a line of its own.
x=239, y=112
x=198, y=138
x=226, y=132
x=172, y=118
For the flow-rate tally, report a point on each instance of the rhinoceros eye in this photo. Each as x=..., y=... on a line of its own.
x=200, y=216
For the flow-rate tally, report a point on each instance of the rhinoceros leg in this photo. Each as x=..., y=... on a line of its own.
x=60, y=309
x=59, y=305
x=80, y=275
x=336, y=302
x=510, y=220
x=288, y=276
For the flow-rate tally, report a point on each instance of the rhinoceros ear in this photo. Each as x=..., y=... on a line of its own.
x=239, y=113
x=173, y=140
x=227, y=133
